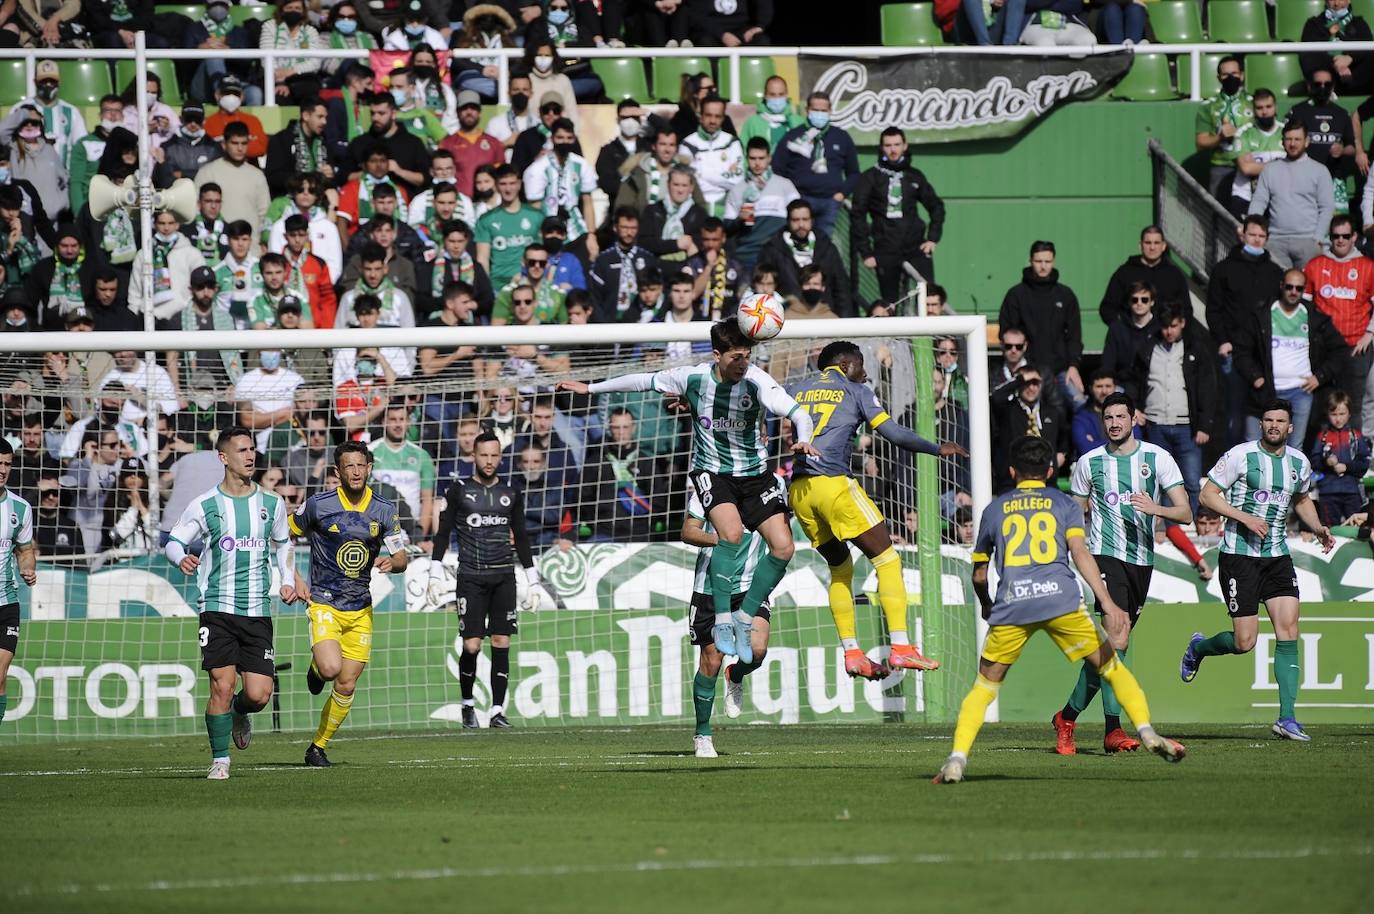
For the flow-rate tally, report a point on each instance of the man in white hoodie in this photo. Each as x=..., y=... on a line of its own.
x=717, y=157
x=174, y=257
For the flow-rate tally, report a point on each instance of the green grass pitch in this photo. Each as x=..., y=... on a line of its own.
x=789, y=819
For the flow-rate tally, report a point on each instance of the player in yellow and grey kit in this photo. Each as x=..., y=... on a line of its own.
x=834, y=511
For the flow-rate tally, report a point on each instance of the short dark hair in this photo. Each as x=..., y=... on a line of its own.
x=712, y=224
x=455, y=225
x=233, y=431
x=504, y=171
x=626, y=212
x=351, y=447
x=563, y=123
x=372, y=252
x=579, y=297
x=456, y=289
x=239, y=228
x=443, y=187
x=757, y=142
x=1231, y=58
x=1278, y=403
x=652, y=276
x=1264, y=93
x=1153, y=229
x=1255, y=219
x=726, y=335
x=797, y=204
x=1032, y=457
x=833, y=352
x=1295, y=126
x=1119, y=398
x=1342, y=219
x=938, y=290
x=1040, y=247
x=383, y=190
x=1168, y=312
x=235, y=129
x=272, y=259
x=367, y=302
x=484, y=437
x=682, y=278
x=891, y=130
x=296, y=223
x=5, y=447
x=208, y=187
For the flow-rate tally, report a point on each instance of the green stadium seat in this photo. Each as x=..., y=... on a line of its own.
x=622, y=78
x=1147, y=80
x=1210, y=86
x=166, y=71
x=194, y=11
x=754, y=73
x=1279, y=73
x=1176, y=21
x=907, y=24
x=84, y=81
x=14, y=82
x=1237, y=21
x=241, y=14
x=668, y=73
x=1364, y=9
x=1290, y=15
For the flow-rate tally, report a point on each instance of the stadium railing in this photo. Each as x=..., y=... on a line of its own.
x=1190, y=55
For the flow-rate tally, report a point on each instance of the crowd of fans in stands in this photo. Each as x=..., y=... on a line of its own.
x=400, y=208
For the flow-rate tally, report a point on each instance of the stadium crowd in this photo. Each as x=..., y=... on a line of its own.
x=409, y=207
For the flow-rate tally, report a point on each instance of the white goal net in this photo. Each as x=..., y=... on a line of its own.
x=108, y=644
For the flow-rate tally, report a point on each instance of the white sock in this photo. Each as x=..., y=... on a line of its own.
x=899, y=638
x=468, y=702
x=497, y=709
x=850, y=644
x=961, y=756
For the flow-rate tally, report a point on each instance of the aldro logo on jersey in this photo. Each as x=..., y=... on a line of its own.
x=476, y=519
x=252, y=543
x=723, y=425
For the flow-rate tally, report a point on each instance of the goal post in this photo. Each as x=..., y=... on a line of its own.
x=108, y=645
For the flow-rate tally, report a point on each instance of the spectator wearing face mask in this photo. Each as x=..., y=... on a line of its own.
x=567, y=32
x=344, y=35
x=629, y=141
x=519, y=117
x=775, y=115
x=230, y=96
x=822, y=162
x=485, y=25
x=174, y=259
x=412, y=31
x=289, y=31
x=33, y=158
x=212, y=33
x=547, y=77
x=84, y=158
x=163, y=122
x=184, y=154
x=62, y=121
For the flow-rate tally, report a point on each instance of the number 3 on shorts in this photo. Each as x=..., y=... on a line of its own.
x=204, y=635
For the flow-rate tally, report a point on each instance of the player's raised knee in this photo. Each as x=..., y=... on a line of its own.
x=782, y=552
x=328, y=669
x=257, y=696
x=1245, y=642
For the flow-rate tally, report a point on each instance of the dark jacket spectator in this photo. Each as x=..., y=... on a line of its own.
x=1254, y=354
x=182, y=157
x=1026, y=413
x=1241, y=285
x=1124, y=337
x=779, y=252
x=655, y=216
x=1166, y=279
x=747, y=20
x=607, y=279
x=873, y=233
x=1199, y=377
x=1048, y=311
x=841, y=158
x=1348, y=27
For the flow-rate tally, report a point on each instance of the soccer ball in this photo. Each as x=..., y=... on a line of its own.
x=760, y=315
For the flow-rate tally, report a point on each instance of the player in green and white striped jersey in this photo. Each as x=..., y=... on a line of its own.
x=17, y=553
x=1123, y=485
x=1254, y=486
x=242, y=527
x=697, y=531
x=729, y=400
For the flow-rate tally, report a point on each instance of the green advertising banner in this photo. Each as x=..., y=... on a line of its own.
x=1336, y=653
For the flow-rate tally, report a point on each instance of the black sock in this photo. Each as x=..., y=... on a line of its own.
x=467, y=674
x=1113, y=722
x=500, y=674
x=1069, y=713
x=239, y=704
x=740, y=669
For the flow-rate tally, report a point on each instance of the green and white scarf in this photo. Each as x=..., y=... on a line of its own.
x=656, y=181
x=162, y=273
x=119, y=11
x=118, y=237
x=365, y=185
x=894, y=190
x=309, y=151
x=217, y=29
x=672, y=225
x=805, y=252
x=629, y=282
x=64, y=292
x=447, y=270
x=207, y=235
x=754, y=185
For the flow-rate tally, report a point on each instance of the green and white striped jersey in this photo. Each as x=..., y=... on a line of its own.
x=755, y=547
x=408, y=469
x=1108, y=481
x=1264, y=485
x=727, y=419
x=240, y=535
x=16, y=529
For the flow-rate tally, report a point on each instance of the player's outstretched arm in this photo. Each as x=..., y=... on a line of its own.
x=1307, y=513
x=1212, y=497
x=908, y=440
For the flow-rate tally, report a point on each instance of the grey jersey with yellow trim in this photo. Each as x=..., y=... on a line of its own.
x=1024, y=533
x=838, y=406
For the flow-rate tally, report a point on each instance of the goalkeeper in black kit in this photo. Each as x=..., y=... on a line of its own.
x=488, y=516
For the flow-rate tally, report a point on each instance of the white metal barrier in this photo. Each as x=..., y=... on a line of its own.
x=730, y=56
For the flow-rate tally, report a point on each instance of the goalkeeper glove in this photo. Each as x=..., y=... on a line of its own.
x=534, y=591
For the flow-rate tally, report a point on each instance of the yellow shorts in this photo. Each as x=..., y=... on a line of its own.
x=832, y=507
x=1077, y=634
x=353, y=630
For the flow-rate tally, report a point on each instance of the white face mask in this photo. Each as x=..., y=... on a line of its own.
x=230, y=103
x=629, y=127
x=543, y=62
x=110, y=125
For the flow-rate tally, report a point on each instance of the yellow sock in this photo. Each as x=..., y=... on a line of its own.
x=1128, y=691
x=842, y=598
x=892, y=591
x=332, y=716
x=972, y=711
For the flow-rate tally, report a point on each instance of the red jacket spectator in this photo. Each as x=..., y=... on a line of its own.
x=470, y=152
x=1342, y=288
x=257, y=137
x=324, y=304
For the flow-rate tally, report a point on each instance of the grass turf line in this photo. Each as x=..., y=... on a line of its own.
x=800, y=818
